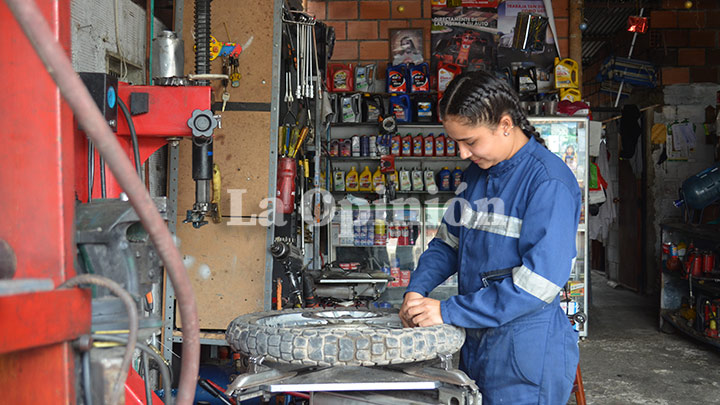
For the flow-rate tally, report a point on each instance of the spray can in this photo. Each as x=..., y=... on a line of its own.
x=373, y=145
x=355, y=148
x=364, y=146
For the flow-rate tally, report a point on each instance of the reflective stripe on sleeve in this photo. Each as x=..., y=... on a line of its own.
x=535, y=284
x=444, y=235
x=492, y=222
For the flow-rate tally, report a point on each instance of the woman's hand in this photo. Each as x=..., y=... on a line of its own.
x=417, y=310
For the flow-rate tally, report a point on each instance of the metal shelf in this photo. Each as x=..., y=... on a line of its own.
x=399, y=158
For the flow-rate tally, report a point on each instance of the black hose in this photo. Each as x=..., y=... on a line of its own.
x=133, y=135
x=164, y=370
x=127, y=299
x=146, y=372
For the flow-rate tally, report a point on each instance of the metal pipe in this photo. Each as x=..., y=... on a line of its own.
x=56, y=61
x=632, y=46
x=126, y=299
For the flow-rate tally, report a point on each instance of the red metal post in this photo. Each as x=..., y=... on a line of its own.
x=37, y=186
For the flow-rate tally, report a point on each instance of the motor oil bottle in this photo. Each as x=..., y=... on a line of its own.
x=430, y=185
x=456, y=178
x=526, y=82
x=417, y=180
x=365, y=77
x=397, y=79
x=423, y=108
x=395, y=145
x=440, y=145
x=351, y=180
x=365, y=180
x=417, y=145
x=566, y=73
x=401, y=108
x=350, y=108
x=341, y=77
x=420, y=78
x=429, y=147
x=406, y=149
x=392, y=179
x=445, y=179
x=378, y=181
x=571, y=95
x=405, y=181
x=447, y=72
x=373, y=108
x=450, y=147
x=339, y=180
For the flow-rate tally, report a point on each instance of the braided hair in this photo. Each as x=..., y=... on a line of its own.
x=481, y=98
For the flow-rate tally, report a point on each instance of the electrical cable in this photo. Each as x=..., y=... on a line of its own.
x=133, y=136
x=58, y=65
x=123, y=65
x=164, y=370
x=126, y=299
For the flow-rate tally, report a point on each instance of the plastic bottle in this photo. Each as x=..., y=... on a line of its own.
x=440, y=145
x=397, y=79
x=401, y=107
x=444, y=180
x=429, y=145
x=406, y=149
x=430, y=185
x=419, y=78
x=456, y=177
x=450, y=147
x=365, y=181
x=566, y=73
x=417, y=180
x=392, y=179
x=395, y=145
x=423, y=108
x=417, y=145
x=378, y=181
x=339, y=180
x=405, y=181
x=351, y=180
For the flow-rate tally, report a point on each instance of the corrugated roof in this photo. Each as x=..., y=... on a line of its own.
x=605, y=19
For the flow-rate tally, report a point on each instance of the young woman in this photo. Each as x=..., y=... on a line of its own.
x=510, y=236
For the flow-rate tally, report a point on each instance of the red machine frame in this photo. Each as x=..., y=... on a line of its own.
x=44, y=170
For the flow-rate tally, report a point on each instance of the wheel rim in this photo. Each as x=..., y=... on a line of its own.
x=349, y=319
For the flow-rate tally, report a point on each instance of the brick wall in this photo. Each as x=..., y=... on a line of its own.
x=361, y=26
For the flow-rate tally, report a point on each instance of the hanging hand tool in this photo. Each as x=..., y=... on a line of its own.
x=303, y=134
x=216, y=187
x=234, y=74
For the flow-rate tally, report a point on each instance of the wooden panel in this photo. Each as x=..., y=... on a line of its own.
x=226, y=265
x=242, y=152
x=243, y=20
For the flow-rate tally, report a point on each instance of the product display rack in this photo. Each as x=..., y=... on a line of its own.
x=560, y=134
x=683, y=296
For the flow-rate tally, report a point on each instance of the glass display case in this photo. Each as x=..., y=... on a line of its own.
x=567, y=137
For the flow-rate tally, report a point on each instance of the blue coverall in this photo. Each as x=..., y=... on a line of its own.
x=513, y=245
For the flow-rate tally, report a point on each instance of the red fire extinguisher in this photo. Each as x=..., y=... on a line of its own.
x=287, y=170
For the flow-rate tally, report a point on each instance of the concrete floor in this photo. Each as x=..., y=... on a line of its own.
x=627, y=360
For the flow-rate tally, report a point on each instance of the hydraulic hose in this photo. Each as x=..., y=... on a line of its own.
x=57, y=63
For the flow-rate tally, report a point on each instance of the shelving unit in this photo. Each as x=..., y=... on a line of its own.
x=682, y=297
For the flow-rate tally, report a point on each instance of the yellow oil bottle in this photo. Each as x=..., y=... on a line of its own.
x=365, y=182
x=378, y=181
x=571, y=95
x=351, y=180
x=566, y=73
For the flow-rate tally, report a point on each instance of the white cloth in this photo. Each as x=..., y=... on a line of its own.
x=599, y=225
x=595, y=131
